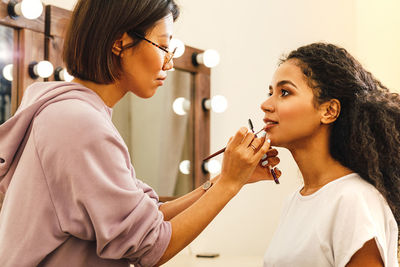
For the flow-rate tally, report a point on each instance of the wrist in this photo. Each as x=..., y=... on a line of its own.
x=231, y=187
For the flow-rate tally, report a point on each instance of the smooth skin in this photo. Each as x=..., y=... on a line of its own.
x=295, y=121
x=143, y=71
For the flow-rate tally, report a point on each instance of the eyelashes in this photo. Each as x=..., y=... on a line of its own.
x=283, y=93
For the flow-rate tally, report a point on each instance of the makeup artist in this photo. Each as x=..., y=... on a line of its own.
x=71, y=194
x=342, y=127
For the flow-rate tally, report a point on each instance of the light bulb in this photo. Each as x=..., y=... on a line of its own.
x=30, y=9
x=213, y=166
x=61, y=74
x=210, y=58
x=181, y=106
x=43, y=69
x=217, y=103
x=184, y=167
x=8, y=72
x=179, y=45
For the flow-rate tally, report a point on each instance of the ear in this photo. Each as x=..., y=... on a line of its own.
x=119, y=43
x=117, y=48
x=330, y=111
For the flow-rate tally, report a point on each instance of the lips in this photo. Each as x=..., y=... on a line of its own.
x=269, y=123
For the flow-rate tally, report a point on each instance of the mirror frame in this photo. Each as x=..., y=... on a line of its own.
x=28, y=47
x=56, y=22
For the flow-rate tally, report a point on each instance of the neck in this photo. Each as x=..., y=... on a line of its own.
x=317, y=165
x=109, y=93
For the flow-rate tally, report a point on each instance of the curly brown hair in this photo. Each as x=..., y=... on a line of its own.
x=366, y=135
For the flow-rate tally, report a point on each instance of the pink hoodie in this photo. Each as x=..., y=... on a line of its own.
x=71, y=194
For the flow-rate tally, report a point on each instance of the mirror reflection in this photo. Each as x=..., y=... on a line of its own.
x=159, y=139
x=6, y=69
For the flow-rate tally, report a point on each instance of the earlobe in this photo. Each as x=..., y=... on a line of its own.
x=330, y=111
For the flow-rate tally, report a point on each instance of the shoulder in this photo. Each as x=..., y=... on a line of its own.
x=77, y=119
x=353, y=187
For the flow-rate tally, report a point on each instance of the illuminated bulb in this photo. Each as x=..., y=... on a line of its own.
x=213, y=166
x=184, y=167
x=181, y=106
x=210, y=58
x=30, y=9
x=8, y=72
x=43, y=69
x=180, y=47
x=218, y=104
x=61, y=74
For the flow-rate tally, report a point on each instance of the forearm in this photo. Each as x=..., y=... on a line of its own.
x=187, y=225
x=172, y=208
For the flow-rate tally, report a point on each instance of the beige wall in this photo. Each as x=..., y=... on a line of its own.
x=250, y=36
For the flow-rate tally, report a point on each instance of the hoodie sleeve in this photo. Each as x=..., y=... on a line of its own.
x=96, y=195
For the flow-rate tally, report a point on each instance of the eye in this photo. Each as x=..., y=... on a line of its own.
x=284, y=92
x=269, y=93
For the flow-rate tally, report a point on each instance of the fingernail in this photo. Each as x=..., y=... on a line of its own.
x=269, y=140
x=264, y=163
x=263, y=134
x=264, y=157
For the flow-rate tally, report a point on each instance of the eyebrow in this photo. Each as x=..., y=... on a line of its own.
x=283, y=82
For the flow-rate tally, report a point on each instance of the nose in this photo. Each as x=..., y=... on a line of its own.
x=169, y=65
x=267, y=105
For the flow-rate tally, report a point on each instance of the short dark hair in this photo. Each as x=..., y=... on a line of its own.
x=96, y=24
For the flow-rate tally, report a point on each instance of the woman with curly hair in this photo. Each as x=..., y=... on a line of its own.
x=342, y=127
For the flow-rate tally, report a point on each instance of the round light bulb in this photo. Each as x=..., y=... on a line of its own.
x=179, y=45
x=210, y=58
x=31, y=9
x=213, y=166
x=184, y=167
x=219, y=104
x=8, y=72
x=65, y=76
x=181, y=106
x=43, y=69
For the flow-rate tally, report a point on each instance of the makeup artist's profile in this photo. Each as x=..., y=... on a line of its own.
x=342, y=127
x=71, y=196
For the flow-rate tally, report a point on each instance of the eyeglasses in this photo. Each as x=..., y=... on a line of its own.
x=168, y=54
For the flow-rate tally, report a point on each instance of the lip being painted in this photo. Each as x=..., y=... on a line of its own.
x=160, y=81
x=269, y=124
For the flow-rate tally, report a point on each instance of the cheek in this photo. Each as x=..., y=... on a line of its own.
x=293, y=112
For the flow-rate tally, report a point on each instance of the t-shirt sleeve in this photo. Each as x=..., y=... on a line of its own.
x=359, y=217
x=95, y=194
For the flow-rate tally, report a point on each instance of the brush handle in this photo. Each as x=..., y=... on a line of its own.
x=215, y=154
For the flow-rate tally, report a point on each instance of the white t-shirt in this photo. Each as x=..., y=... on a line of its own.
x=329, y=226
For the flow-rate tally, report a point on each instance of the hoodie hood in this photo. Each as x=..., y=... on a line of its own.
x=36, y=97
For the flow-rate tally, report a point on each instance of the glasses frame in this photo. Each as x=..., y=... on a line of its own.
x=167, y=56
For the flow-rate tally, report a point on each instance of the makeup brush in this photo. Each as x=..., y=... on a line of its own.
x=223, y=149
